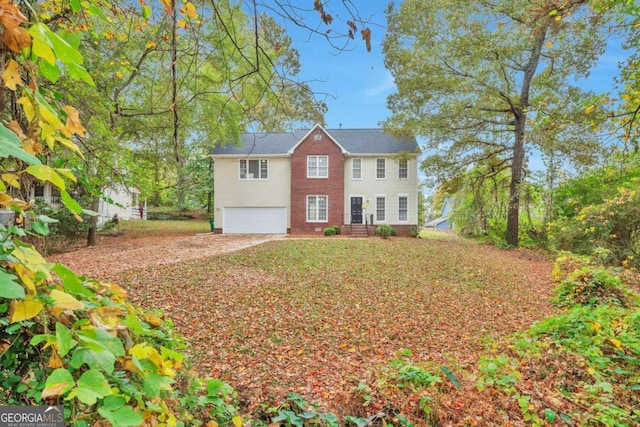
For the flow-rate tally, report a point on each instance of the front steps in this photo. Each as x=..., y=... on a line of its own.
x=358, y=230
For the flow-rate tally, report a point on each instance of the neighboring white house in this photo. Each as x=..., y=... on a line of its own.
x=122, y=201
x=116, y=200
x=306, y=180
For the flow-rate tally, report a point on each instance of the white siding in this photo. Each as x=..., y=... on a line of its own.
x=391, y=187
x=233, y=192
x=127, y=197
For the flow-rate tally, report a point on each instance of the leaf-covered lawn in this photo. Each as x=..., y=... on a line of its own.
x=315, y=316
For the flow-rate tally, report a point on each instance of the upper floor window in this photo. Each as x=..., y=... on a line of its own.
x=254, y=169
x=403, y=169
x=381, y=168
x=403, y=208
x=356, y=169
x=317, y=166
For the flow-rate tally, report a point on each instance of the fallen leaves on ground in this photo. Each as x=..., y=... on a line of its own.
x=316, y=316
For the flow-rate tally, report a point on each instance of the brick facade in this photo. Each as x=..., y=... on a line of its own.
x=301, y=186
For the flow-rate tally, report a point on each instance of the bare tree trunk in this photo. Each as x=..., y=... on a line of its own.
x=174, y=106
x=513, y=210
x=520, y=114
x=210, y=195
x=93, y=228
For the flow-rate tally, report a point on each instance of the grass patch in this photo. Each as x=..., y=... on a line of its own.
x=137, y=229
x=435, y=234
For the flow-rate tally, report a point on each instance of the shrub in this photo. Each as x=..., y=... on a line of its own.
x=613, y=225
x=329, y=231
x=593, y=287
x=385, y=231
x=336, y=228
x=81, y=341
x=414, y=231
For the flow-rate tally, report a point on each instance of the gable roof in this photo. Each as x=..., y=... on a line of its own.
x=352, y=141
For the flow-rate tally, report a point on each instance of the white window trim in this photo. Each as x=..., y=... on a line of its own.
x=352, y=169
x=307, y=208
x=407, y=197
x=317, y=156
x=407, y=177
x=385, y=168
x=375, y=207
x=259, y=170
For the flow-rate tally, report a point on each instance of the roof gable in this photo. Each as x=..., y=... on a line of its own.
x=351, y=141
x=317, y=128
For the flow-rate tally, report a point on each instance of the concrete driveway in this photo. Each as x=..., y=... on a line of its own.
x=113, y=256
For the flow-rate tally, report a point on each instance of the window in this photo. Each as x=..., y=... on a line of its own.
x=403, y=208
x=403, y=169
x=317, y=166
x=38, y=191
x=356, y=169
x=381, y=168
x=317, y=208
x=380, y=209
x=254, y=169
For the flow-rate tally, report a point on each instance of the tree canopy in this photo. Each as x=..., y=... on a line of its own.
x=475, y=78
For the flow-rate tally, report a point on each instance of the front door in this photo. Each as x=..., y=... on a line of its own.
x=356, y=210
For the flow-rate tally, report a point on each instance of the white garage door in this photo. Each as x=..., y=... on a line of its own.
x=255, y=221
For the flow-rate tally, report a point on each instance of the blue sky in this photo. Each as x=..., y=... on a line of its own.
x=357, y=84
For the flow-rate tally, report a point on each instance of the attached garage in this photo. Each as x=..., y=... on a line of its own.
x=254, y=221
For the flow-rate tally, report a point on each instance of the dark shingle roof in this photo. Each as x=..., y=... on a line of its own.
x=354, y=141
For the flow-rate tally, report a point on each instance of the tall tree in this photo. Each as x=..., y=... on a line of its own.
x=471, y=76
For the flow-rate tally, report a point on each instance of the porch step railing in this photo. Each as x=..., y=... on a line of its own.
x=360, y=229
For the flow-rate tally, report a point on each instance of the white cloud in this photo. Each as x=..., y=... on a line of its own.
x=384, y=86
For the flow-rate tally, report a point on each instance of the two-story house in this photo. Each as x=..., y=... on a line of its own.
x=306, y=180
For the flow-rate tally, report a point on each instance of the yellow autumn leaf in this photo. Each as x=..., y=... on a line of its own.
x=73, y=121
x=27, y=107
x=167, y=6
x=590, y=109
x=190, y=10
x=50, y=117
x=211, y=423
x=54, y=360
x=153, y=319
x=128, y=365
x=71, y=146
x=616, y=342
x=48, y=133
x=16, y=39
x=32, y=260
x=237, y=421
x=117, y=291
x=11, y=75
x=119, y=75
x=182, y=24
x=12, y=179
x=17, y=129
x=23, y=310
x=549, y=45
x=151, y=44
x=26, y=277
x=10, y=15
x=558, y=18
x=64, y=301
x=5, y=199
x=67, y=173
